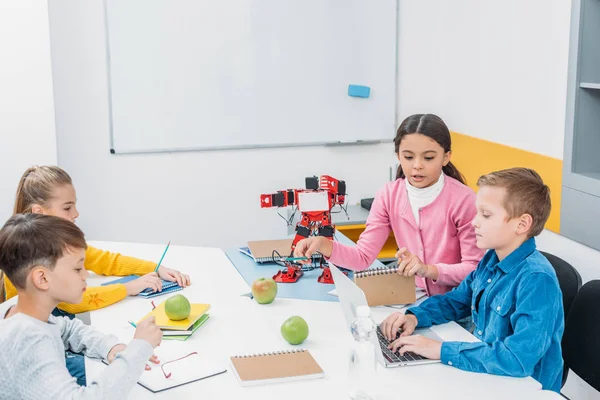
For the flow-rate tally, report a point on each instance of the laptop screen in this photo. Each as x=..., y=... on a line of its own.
x=350, y=295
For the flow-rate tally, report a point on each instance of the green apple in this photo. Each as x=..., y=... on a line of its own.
x=177, y=307
x=264, y=290
x=294, y=330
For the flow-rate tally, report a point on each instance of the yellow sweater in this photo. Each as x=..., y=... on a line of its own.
x=102, y=263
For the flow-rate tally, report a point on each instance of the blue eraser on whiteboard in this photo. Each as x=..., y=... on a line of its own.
x=359, y=91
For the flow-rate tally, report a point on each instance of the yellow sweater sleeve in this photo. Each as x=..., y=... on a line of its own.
x=94, y=297
x=107, y=263
x=97, y=297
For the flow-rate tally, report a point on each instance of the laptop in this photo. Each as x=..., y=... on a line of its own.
x=351, y=296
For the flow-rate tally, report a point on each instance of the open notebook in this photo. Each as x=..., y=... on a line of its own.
x=182, y=371
x=280, y=366
x=187, y=370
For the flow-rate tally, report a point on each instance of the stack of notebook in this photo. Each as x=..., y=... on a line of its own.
x=183, y=329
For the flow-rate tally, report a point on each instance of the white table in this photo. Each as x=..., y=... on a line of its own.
x=238, y=325
x=546, y=395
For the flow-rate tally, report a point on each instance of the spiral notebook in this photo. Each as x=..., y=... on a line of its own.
x=148, y=293
x=383, y=286
x=262, y=250
x=167, y=286
x=275, y=367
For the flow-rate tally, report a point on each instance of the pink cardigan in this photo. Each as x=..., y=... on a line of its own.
x=444, y=237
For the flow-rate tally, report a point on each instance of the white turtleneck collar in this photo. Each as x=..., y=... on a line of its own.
x=421, y=197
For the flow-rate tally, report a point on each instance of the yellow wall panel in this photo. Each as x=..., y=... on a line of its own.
x=475, y=157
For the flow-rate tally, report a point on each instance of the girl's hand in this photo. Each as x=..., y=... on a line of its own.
x=409, y=264
x=309, y=246
x=173, y=275
x=150, y=280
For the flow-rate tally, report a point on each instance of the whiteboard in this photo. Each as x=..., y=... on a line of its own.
x=214, y=74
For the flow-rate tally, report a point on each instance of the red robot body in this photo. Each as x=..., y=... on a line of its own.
x=315, y=204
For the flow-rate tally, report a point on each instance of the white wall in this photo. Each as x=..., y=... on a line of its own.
x=195, y=198
x=27, y=133
x=496, y=70
x=471, y=62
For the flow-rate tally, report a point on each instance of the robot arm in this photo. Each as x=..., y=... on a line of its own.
x=335, y=187
x=282, y=198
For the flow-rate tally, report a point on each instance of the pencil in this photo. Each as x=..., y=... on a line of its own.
x=132, y=324
x=163, y=256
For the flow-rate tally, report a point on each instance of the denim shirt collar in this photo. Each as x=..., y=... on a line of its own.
x=514, y=258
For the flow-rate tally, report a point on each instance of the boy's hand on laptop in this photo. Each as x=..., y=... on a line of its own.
x=173, y=275
x=150, y=280
x=418, y=344
x=150, y=332
x=409, y=264
x=396, y=321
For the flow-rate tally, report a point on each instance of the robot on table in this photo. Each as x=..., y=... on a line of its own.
x=315, y=204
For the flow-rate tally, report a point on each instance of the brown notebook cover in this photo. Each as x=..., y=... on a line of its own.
x=281, y=366
x=383, y=286
x=262, y=250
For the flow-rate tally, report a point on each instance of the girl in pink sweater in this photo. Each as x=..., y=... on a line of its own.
x=428, y=207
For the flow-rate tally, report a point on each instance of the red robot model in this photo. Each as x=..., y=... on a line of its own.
x=315, y=204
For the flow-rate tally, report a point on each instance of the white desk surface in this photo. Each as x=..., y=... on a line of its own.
x=545, y=395
x=239, y=325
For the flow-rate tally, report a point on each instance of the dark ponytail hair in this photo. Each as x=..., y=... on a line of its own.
x=433, y=127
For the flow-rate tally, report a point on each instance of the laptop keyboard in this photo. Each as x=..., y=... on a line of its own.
x=395, y=357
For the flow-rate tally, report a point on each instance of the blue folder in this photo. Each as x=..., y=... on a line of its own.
x=167, y=286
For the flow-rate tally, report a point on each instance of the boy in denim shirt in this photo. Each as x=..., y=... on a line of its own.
x=513, y=296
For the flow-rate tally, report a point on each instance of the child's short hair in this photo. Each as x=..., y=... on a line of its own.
x=29, y=240
x=526, y=193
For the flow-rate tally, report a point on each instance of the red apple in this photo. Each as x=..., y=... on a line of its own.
x=264, y=290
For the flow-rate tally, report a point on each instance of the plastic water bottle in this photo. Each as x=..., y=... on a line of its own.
x=363, y=363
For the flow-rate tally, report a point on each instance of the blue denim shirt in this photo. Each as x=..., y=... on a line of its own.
x=519, y=319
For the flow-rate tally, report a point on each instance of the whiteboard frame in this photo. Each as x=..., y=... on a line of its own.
x=233, y=147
